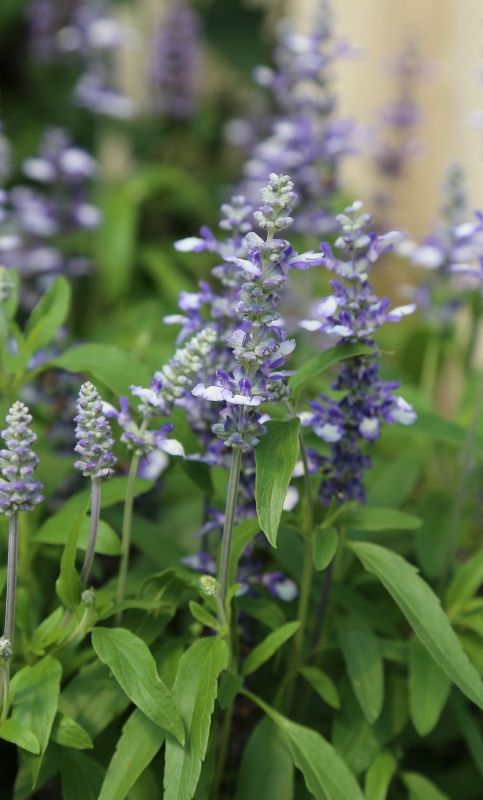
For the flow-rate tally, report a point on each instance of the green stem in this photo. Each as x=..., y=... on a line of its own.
x=230, y=510
x=466, y=464
x=11, y=578
x=126, y=534
x=223, y=751
x=94, y=524
x=429, y=371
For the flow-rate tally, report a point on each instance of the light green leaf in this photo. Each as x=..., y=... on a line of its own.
x=105, y=364
x=326, y=776
x=203, y=616
x=243, y=533
x=465, y=583
x=68, y=585
x=265, y=650
x=322, y=361
x=379, y=776
x=429, y=688
x=35, y=696
x=17, y=733
x=55, y=531
x=140, y=740
x=68, y=733
x=362, y=655
x=420, y=788
x=266, y=769
x=275, y=456
x=325, y=544
x=367, y=518
x=134, y=668
x=423, y=611
x=48, y=315
x=195, y=691
x=322, y=684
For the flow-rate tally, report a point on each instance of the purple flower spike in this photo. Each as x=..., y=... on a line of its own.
x=93, y=434
x=18, y=490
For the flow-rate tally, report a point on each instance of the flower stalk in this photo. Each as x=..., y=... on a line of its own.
x=231, y=498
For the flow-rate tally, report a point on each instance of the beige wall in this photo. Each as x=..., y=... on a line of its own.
x=450, y=33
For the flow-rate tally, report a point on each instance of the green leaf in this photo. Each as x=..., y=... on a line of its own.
x=230, y=685
x=392, y=482
x=465, y=583
x=379, y=776
x=140, y=740
x=429, y=688
x=195, y=691
x=367, y=518
x=266, y=769
x=423, y=611
x=470, y=731
x=203, y=616
x=322, y=684
x=68, y=733
x=322, y=361
x=420, y=788
x=68, y=585
x=81, y=776
x=444, y=430
x=243, y=533
x=362, y=655
x=326, y=776
x=53, y=531
x=105, y=364
x=48, y=315
x=265, y=611
x=324, y=546
x=265, y=650
x=275, y=457
x=134, y=668
x=93, y=699
x=35, y=695
x=116, y=238
x=17, y=733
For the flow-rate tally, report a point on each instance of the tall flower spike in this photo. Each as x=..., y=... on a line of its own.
x=93, y=433
x=18, y=490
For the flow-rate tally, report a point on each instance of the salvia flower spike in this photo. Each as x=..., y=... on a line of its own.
x=19, y=491
x=93, y=434
x=94, y=445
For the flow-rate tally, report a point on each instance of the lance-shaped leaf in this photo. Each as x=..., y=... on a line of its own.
x=423, y=611
x=322, y=361
x=362, y=655
x=266, y=769
x=195, y=691
x=276, y=457
x=134, y=668
x=265, y=650
x=428, y=688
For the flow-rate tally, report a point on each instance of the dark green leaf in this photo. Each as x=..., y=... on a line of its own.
x=367, y=518
x=93, y=699
x=322, y=684
x=265, y=650
x=469, y=730
x=105, y=364
x=466, y=582
x=275, y=456
x=379, y=776
x=325, y=774
x=68, y=585
x=116, y=239
x=363, y=659
x=195, y=690
x=266, y=769
x=134, y=668
x=324, y=547
x=243, y=533
x=230, y=685
x=423, y=611
x=81, y=776
x=429, y=688
x=265, y=611
x=322, y=361
x=48, y=315
x=140, y=740
x=420, y=788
